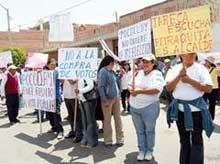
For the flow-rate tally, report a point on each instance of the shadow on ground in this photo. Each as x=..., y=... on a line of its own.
x=41, y=140
x=131, y=158
x=54, y=159
x=217, y=128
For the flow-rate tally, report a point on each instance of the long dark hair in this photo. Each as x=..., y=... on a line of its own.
x=106, y=61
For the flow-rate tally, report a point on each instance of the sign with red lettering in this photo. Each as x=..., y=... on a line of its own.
x=182, y=32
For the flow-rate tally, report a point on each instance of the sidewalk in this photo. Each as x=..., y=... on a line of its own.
x=22, y=144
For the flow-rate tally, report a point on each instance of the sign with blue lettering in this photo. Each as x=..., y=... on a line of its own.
x=135, y=41
x=38, y=90
x=80, y=63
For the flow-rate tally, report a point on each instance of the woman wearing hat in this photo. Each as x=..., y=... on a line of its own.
x=144, y=105
x=125, y=76
x=10, y=89
x=214, y=72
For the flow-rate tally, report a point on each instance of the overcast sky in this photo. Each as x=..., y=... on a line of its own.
x=28, y=12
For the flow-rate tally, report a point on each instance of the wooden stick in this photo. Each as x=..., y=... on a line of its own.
x=75, y=109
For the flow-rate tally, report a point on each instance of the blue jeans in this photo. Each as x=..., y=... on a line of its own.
x=144, y=120
x=90, y=132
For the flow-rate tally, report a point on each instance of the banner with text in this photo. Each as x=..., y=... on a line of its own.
x=135, y=41
x=80, y=63
x=182, y=32
x=38, y=90
x=5, y=58
x=36, y=60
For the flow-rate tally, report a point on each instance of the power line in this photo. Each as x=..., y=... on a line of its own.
x=58, y=12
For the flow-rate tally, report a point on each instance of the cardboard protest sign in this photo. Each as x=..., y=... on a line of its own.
x=39, y=90
x=80, y=63
x=36, y=60
x=135, y=41
x=182, y=32
x=5, y=58
x=61, y=28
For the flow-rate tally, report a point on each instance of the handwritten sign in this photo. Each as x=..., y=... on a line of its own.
x=5, y=58
x=36, y=60
x=80, y=63
x=135, y=41
x=39, y=90
x=182, y=32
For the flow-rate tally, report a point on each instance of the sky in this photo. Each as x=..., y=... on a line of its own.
x=26, y=13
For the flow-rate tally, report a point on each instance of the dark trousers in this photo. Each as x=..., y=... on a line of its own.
x=125, y=95
x=90, y=132
x=70, y=105
x=211, y=99
x=191, y=150
x=12, y=102
x=55, y=118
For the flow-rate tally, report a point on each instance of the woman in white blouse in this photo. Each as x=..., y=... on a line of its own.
x=87, y=108
x=144, y=105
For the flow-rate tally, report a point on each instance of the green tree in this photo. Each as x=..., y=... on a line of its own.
x=18, y=55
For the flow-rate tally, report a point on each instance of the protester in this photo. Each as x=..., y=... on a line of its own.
x=145, y=106
x=11, y=90
x=214, y=72
x=55, y=118
x=108, y=86
x=87, y=108
x=125, y=76
x=188, y=81
x=69, y=94
x=165, y=94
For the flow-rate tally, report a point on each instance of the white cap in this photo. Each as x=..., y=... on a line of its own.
x=149, y=57
x=12, y=67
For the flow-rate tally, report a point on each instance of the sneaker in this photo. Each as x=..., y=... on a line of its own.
x=60, y=135
x=140, y=156
x=148, y=156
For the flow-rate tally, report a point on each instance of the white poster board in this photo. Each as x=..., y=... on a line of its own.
x=135, y=41
x=61, y=28
x=38, y=90
x=5, y=58
x=80, y=63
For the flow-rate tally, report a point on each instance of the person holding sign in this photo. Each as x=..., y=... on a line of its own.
x=145, y=106
x=55, y=118
x=188, y=81
x=69, y=94
x=108, y=86
x=87, y=96
x=11, y=90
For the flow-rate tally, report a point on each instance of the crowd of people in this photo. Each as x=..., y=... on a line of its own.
x=191, y=90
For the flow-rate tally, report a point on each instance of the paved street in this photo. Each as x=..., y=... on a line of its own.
x=21, y=144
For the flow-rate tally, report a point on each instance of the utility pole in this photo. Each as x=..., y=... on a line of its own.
x=8, y=16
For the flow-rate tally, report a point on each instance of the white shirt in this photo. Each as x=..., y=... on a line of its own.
x=185, y=91
x=125, y=79
x=69, y=90
x=83, y=89
x=153, y=80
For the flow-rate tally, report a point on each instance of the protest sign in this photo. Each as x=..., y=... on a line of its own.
x=36, y=60
x=80, y=63
x=182, y=32
x=135, y=41
x=61, y=28
x=38, y=90
x=5, y=58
